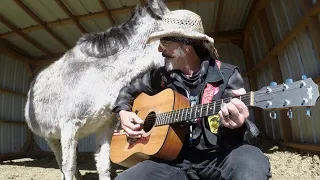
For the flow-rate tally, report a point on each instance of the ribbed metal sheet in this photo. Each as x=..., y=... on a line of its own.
x=87, y=144
x=297, y=59
x=23, y=44
x=12, y=77
x=283, y=16
x=231, y=54
x=234, y=14
x=9, y=9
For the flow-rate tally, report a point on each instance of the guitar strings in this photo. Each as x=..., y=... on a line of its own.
x=244, y=98
x=162, y=120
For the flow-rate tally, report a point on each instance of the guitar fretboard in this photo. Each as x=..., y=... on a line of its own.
x=197, y=111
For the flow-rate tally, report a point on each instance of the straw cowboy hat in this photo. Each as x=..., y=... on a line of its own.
x=184, y=23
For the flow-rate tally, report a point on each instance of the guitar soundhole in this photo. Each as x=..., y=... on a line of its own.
x=149, y=122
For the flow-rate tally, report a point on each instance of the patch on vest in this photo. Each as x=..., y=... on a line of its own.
x=214, y=122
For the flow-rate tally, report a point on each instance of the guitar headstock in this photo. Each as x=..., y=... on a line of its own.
x=287, y=95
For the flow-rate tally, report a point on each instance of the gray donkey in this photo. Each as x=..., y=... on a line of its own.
x=73, y=97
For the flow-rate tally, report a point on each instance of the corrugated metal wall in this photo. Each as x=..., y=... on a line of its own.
x=297, y=59
x=14, y=77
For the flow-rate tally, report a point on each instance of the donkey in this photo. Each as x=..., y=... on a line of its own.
x=73, y=97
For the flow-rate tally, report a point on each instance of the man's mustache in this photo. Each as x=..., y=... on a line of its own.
x=166, y=56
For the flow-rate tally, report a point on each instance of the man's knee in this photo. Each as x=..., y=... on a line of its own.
x=248, y=162
x=136, y=171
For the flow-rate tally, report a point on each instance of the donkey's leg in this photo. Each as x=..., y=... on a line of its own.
x=103, y=137
x=69, y=149
x=55, y=146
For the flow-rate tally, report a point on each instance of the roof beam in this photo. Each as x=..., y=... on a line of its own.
x=107, y=12
x=41, y=23
x=23, y=35
x=71, y=16
x=315, y=10
x=219, y=15
x=94, y=15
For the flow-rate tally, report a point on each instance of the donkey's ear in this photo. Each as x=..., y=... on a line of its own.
x=158, y=7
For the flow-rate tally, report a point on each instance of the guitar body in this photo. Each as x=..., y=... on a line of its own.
x=163, y=142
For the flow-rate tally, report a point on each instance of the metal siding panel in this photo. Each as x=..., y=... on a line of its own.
x=261, y=39
x=231, y=54
x=121, y=18
x=3, y=28
x=46, y=10
x=12, y=77
x=87, y=144
x=309, y=60
x=278, y=10
x=113, y=4
x=47, y=41
x=42, y=143
x=234, y=14
x=25, y=45
x=68, y=32
x=15, y=15
x=273, y=24
x=207, y=14
x=257, y=42
x=293, y=11
x=316, y=122
x=81, y=7
x=97, y=25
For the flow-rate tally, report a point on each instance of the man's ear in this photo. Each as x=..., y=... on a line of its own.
x=187, y=48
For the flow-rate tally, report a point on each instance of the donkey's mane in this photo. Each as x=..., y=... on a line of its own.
x=113, y=40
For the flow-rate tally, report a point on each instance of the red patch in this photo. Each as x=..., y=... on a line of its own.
x=218, y=63
x=208, y=93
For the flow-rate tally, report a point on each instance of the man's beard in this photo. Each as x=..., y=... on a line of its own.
x=169, y=64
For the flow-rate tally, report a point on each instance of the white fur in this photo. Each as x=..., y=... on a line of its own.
x=68, y=105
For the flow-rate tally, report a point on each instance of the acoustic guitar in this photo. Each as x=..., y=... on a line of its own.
x=165, y=114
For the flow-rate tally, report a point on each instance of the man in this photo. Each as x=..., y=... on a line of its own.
x=216, y=147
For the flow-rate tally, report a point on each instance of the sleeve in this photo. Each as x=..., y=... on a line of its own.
x=149, y=83
x=232, y=136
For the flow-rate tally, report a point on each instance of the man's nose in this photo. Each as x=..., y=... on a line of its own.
x=160, y=48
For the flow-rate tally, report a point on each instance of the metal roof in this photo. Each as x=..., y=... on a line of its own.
x=91, y=16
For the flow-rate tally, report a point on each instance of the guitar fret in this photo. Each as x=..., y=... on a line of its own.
x=207, y=109
x=201, y=110
x=190, y=113
x=195, y=112
x=214, y=107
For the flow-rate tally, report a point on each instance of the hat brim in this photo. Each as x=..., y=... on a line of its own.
x=179, y=33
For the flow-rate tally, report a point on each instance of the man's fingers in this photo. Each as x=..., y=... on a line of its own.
x=131, y=133
x=242, y=108
x=136, y=119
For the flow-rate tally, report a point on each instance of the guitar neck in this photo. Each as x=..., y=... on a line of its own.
x=198, y=111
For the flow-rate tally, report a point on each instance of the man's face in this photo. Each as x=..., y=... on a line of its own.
x=174, y=53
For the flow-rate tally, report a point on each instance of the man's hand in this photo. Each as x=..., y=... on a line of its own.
x=131, y=124
x=233, y=114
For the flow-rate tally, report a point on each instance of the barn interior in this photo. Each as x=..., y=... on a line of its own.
x=269, y=40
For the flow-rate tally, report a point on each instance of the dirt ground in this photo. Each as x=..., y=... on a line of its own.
x=286, y=164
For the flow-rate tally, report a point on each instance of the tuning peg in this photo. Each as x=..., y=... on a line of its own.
x=273, y=83
x=290, y=113
x=273, y=115
x=308, y=112
x=304, y=77
x=288, y=81
x=304, y=101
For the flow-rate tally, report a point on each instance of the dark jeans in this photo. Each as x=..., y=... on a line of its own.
x=242, y=162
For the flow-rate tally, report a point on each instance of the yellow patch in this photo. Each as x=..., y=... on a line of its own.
x=214, y=122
